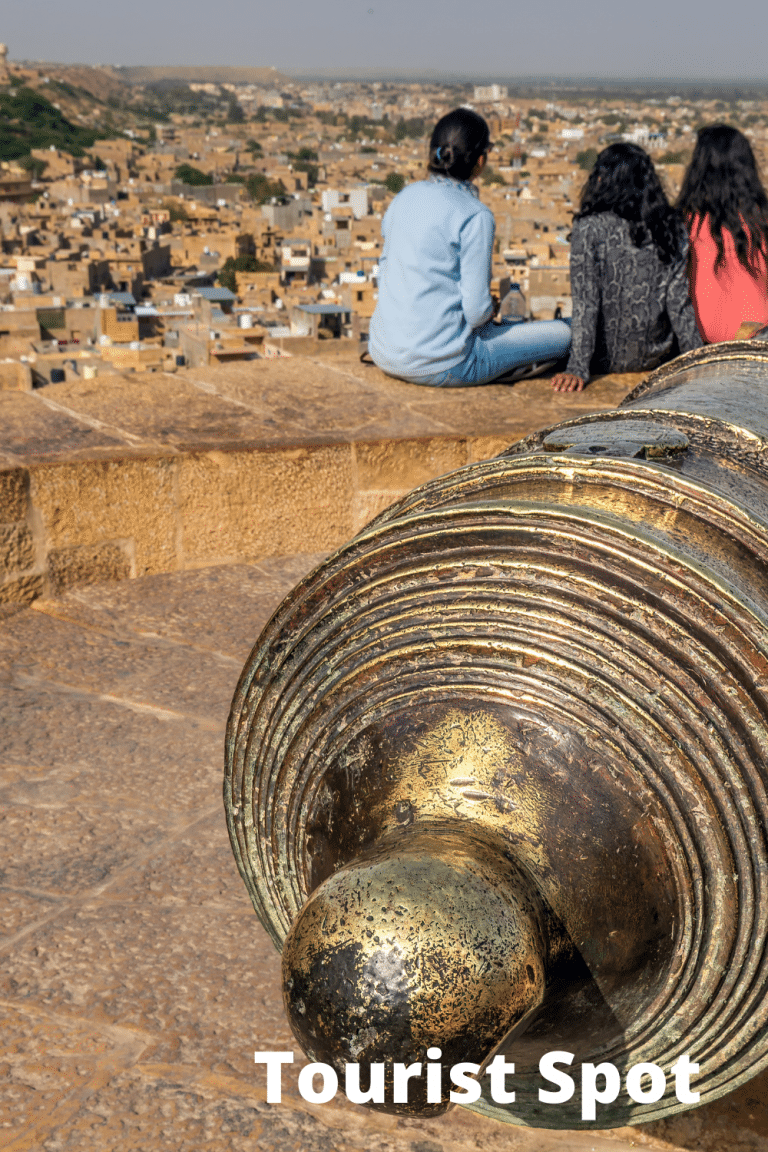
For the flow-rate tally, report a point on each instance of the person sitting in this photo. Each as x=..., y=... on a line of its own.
x=433, y=319
x=629, y=284
x=726, y=210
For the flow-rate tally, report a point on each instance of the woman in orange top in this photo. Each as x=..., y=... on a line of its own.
x=726, y=210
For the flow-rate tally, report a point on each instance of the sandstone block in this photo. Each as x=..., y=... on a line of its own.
x=88, y=564
x=13, y=495
x=405, y=464
x=17, y=549
x=92, y=502
x=22, y=590
x=240, y=505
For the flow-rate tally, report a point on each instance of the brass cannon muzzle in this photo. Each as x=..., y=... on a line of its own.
x=496, y=771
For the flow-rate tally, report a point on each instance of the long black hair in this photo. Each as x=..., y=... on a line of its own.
x=722, y=184
x=458, y=141
x=624, y=181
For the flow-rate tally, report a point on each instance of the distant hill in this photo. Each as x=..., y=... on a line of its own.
x=201, y=74
x=101, y=83
x=28, y=120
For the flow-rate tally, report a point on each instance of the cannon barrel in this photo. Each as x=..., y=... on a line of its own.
x=496, y=770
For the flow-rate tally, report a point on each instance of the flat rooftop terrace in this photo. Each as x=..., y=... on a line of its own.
x=135, y=980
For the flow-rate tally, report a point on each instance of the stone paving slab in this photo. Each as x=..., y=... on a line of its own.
x=135, y=980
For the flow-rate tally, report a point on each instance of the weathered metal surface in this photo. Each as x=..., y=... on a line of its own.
x=497, y=770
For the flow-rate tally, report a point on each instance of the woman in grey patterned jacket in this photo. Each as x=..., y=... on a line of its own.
x=629, y=279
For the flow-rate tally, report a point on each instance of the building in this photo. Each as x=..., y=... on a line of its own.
x=490, y=93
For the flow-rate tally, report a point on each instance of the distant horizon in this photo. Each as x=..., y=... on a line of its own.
x=667, y=42
x=433, y=76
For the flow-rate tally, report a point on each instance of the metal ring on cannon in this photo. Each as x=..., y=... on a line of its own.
x=496, y=770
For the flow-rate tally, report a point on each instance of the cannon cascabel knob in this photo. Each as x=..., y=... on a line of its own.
x=431, y=940
x=531, y=699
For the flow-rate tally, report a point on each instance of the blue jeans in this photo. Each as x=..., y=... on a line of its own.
x=498, y=348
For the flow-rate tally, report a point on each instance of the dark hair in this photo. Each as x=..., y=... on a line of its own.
x=624, y=181
x=722, y=183
x=458, y=141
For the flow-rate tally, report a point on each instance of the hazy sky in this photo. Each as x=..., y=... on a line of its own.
x=671, y=39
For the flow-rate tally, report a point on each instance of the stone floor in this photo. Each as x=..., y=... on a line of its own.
x=135, y=980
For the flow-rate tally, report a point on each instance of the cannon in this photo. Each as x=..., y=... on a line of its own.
x=496, y=771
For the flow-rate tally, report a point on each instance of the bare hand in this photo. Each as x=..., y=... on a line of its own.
x=567, y=382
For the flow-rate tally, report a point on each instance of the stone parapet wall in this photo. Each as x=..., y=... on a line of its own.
x=124, y=476
x=82, y=521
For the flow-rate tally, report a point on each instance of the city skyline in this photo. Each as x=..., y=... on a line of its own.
x=675, y=41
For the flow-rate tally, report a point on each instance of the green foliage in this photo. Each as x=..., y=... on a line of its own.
x=263, y=189
x=227, y=274
x=234, y=178
x=248, y=263
x=673, y=158
x=235, y=114
x=167, y=96
x=586, y=159
x=28, y=120
x=366, y=148
x=176, y=211
x=394, y=182
x=227, y=277
x=360, y=126
x=413, y=128
x=304, y=154
x=34, y=167
x=282, y=115
x=491, y=176
x=193, y=176
x=311, y=170
x=255, y=147
x=51, y=319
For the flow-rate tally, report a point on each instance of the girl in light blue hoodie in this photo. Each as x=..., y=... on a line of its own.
x=433, y=319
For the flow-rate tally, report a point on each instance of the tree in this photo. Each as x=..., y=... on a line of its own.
x=227, y=277
x=415, y=128
x=235, y=114
x=34, y=167
x=263, y=189
x=394, y=182
x=189, y=175
x=491, y=176
x=227, y=274
x=586, y=159
x=311, y=170
x=175, y=211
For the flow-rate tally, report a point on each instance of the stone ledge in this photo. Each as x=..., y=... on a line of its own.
x=123, y=476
